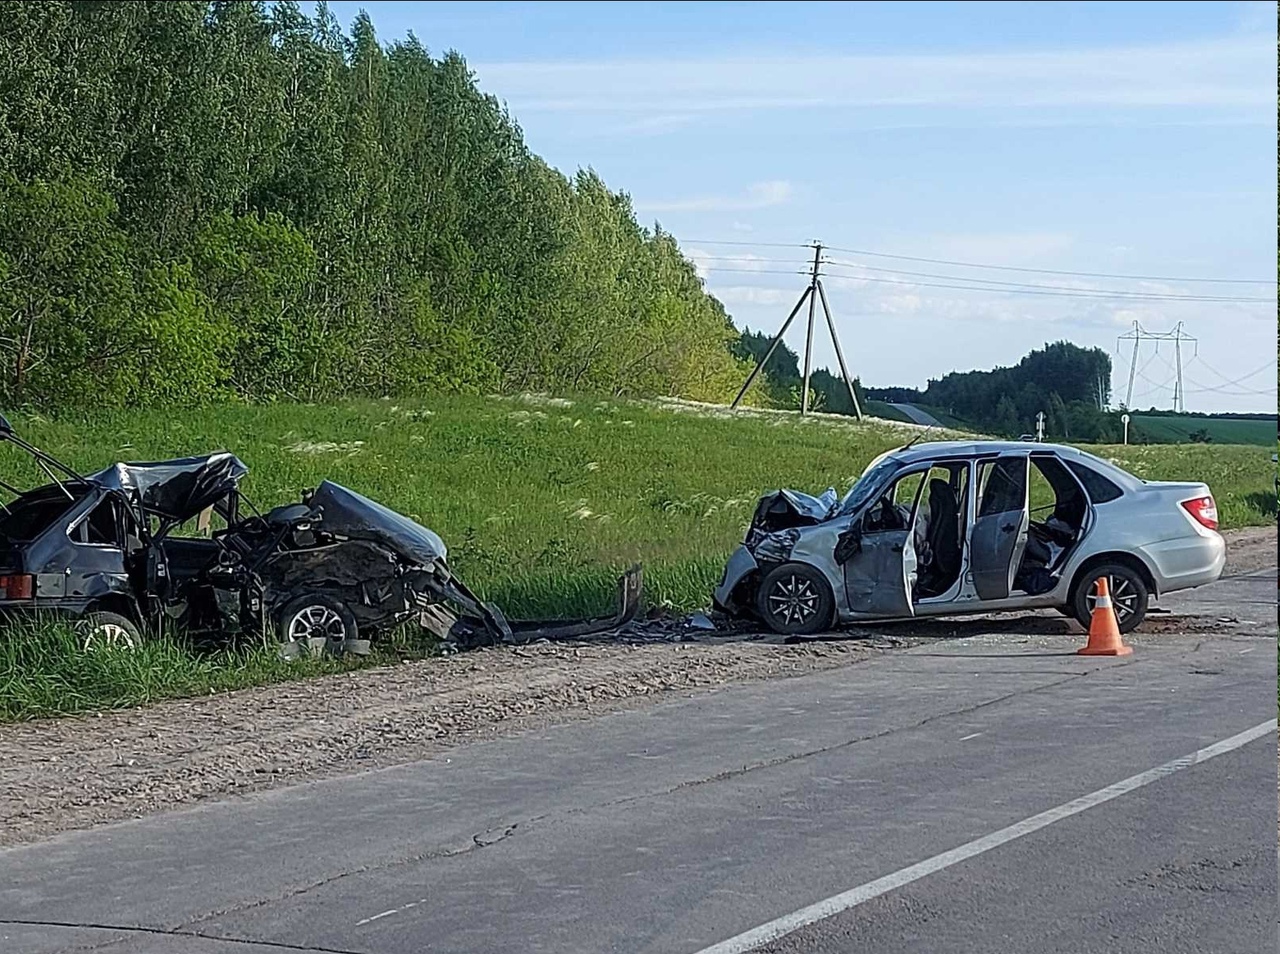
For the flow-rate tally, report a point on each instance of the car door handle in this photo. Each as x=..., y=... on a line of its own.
x=1009, y=528
x=897, y=548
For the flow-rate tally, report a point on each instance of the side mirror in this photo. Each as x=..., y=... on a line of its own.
x=6, y=428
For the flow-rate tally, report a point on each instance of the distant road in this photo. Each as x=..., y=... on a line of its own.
x=917, y=416
x=994, y=793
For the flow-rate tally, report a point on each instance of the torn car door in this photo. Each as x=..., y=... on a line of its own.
x=880, y=572
x=999, y=535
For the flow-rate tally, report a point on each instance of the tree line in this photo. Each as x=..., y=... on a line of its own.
x=203, y=201
x=1069, y=384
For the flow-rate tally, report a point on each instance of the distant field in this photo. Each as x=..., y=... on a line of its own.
x=1175, y=430
x=542, y=501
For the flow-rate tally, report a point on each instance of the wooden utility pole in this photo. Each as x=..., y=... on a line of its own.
x=812, y=294
x=808, y=337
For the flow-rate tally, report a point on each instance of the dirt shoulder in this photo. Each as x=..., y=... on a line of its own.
x=77, y=772
x=1250, y=549
x=82, y=771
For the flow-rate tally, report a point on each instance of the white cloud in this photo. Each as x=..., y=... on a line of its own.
x=1224, y=73
x=756, y=295
x=1008, y=248
x=758, y=195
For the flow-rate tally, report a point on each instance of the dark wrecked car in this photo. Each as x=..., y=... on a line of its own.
x=943, y=529
x=327, y=573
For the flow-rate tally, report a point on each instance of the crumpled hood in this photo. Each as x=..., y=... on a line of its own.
x=784, y=509
x=353, y=515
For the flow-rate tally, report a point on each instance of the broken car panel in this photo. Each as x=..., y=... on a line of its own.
x=949, y=528
x=326, y=573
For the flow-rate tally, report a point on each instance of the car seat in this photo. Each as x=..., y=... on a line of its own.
x=944, y=532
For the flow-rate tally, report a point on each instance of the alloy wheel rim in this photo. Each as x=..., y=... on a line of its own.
x=1124, y=597
x=316, y=622
x=109, y=635
x=793, y=600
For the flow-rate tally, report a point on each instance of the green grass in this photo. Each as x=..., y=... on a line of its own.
x=542, y=502
x=43, y=670
x=1178, y=430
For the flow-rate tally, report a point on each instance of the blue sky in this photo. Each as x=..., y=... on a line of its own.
x=1127, y=138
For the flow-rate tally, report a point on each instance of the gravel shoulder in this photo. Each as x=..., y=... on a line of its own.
x=77, y=772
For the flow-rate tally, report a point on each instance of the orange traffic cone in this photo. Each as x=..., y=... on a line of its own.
x=1104, y=631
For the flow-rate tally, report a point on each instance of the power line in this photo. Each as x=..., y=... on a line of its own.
x=1108, y=292
x=760, y=271
x=1113, y=296
x=684, y=242
x=1244, y=392
x=699, y=257
x=989, y=265
x=1269, y=366
x=1056, y=271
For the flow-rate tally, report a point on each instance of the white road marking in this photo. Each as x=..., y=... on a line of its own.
x=780, y=927
x=403, y=907
x=972, y=736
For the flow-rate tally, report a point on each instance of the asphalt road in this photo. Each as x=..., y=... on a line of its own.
x=960, y=797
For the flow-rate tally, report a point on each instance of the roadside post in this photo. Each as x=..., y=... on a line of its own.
x=1124, y=419
x=1040, y=428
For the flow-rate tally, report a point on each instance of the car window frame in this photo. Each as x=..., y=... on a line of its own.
x=117, y=505
x=908, y=470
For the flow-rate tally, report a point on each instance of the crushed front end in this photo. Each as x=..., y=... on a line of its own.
x=774, y=531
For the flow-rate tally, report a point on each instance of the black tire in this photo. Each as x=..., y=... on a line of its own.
x=1129, y=595
x=315, y=623
x=105, y=630
x=795, y=599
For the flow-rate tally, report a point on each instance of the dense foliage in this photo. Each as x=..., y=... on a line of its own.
x=1070, y=384
x=203, y=200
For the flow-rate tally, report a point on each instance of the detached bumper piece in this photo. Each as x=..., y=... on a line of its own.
x=483, y=624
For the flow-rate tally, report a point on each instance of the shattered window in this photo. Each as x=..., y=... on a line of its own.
x=99, y=528
x=867, y=484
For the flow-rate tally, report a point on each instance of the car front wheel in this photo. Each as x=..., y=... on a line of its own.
x=1129, y=596
x=795, y=599
x=315, y=623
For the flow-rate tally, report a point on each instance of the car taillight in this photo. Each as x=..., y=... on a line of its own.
x=1204, y=510
x=18, y=586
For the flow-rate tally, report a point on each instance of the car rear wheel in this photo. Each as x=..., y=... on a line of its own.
x=1129, y=596
x=795, y=599
x=315, y=623
x=103, y=630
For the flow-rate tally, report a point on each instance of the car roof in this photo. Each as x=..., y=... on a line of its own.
x=934, y=449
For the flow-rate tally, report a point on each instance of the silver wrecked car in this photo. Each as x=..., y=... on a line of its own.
x=941, y=529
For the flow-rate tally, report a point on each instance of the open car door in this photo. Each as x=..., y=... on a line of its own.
x=999, y=536
x=880, y=569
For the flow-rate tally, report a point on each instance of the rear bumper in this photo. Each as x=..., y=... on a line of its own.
x=1184, y=562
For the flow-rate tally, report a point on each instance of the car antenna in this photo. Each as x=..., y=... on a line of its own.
x=915, y=440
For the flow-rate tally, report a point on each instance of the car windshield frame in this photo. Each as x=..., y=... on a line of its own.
x=864, y=487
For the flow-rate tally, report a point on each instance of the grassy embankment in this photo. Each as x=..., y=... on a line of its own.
x=541, y=501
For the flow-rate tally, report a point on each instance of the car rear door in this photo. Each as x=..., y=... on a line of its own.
x=999, y=535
